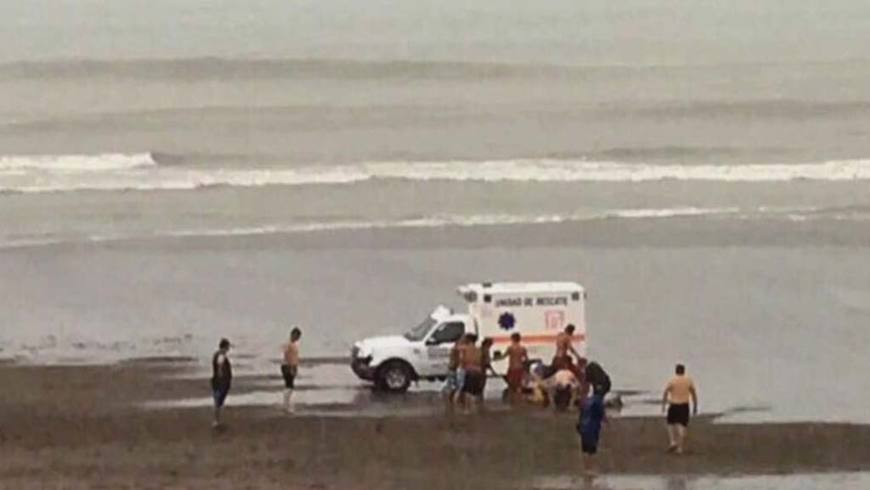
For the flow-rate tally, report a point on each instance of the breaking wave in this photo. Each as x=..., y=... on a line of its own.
x=142, y=171
x=76, y=163
x=458, y=221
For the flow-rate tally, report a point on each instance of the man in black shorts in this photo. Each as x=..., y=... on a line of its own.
x=679, y=391
x=471, y=359
x=221, y=378
x=290, y=368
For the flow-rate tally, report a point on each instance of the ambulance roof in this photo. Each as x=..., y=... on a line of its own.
x=521, y=287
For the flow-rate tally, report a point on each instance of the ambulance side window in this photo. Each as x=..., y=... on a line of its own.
x=448, y=333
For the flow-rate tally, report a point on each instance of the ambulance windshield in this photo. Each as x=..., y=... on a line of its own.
x=419, y=332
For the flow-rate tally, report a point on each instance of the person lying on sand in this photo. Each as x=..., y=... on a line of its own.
x=564, y=389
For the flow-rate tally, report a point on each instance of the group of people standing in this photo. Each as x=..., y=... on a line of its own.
x=563, y=383
x=570, y=380
x=467, y=371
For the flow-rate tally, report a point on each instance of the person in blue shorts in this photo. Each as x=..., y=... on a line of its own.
x=455, y=381
x=592, y=415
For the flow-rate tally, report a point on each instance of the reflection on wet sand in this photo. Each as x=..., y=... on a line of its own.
x=840, y=481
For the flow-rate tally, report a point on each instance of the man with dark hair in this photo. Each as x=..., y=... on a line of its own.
x=679, y=391
x=486, y=356
x=455, y=381
x=565, y=347
x=517, y=357
x=221, y=378
x=471, y=362
x=290, y=367
x=597, y=378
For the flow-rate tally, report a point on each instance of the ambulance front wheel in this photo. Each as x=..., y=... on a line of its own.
x=394, y=376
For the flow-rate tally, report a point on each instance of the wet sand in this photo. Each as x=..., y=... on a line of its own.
x=84, y=427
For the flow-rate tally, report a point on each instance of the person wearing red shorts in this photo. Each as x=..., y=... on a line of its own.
x=517, y=356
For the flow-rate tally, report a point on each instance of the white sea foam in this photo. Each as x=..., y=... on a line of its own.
x=460, y=221
x=671, y=212
x=579, y=171
x=16, y=165
x=142, y=172
x=438, y=221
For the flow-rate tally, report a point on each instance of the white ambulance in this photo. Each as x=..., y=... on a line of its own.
x=537, y=310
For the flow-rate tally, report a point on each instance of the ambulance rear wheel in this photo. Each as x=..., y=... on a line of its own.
x=394, y=376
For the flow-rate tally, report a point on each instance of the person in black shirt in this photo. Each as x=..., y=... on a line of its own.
x=221, y=378
x=597, y=378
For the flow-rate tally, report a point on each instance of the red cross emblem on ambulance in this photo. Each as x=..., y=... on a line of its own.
x=554, y=320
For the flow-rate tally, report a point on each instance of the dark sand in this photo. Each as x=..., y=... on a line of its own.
x=81, y=427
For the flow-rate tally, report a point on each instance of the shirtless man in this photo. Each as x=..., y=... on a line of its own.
x=486, y=361
x=517, y=357
x=679, y=391
x=453, y=383
x=471, y=362
x=290, y=368
x=564, y=347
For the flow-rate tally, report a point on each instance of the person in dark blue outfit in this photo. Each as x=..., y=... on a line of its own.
x=592, y=415
x=221, y=378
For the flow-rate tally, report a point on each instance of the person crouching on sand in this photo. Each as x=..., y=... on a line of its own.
x=290, y=368
x=679, y=391
x=221, y=378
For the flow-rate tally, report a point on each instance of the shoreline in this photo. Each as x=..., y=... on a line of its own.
x=78, y=427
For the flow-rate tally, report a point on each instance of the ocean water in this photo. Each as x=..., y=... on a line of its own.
x=171, y=174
